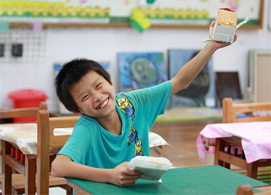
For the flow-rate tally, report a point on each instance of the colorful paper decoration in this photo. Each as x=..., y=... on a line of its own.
x=139, y=21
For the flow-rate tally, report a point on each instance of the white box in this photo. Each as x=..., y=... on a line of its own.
x=225, y=25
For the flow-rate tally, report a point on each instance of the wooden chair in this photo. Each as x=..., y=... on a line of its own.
x=47, y=139
x=19, y=181
x=247, y=189
x=22, y=112
x=230, y=116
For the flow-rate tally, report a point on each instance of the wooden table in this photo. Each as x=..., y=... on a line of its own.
x=12, y=158
x=194, y=180
x=246, y=145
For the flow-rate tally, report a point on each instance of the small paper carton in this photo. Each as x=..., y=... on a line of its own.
x=225, y=25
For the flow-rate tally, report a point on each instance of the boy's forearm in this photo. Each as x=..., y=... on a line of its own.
x=120, y=175
x=79, y=171
x=188, y=72
x=91, y=173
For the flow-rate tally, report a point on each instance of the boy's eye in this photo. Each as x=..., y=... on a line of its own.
x=84, y=98
x=99, y=85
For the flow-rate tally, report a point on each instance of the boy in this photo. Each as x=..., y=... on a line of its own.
x=113, y=128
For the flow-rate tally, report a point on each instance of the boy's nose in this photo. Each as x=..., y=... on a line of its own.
x=97, y=96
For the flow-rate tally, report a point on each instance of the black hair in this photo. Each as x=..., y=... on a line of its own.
x=70, y=74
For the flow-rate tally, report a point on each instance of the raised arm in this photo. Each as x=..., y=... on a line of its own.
x=190, y=70
x=63, y=166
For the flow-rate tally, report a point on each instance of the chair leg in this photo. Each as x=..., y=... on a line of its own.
x=17, y=192
x=6, y=171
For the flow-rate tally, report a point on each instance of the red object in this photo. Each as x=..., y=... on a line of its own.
x=27, y=98
x=12, y=152
x=22, y=158
x=18, y=155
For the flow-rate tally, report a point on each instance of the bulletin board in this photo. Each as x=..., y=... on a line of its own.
x=117, y=13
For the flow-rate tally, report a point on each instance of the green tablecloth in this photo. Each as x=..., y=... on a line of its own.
x=195, y=180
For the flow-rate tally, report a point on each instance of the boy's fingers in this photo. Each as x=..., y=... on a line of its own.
x=132, y=172
x=128, y=180
x=126, y=184
x=130, y=177
x=212, y=23
x=211, y=29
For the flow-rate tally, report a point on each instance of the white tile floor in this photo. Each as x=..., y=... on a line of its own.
x=57, y=191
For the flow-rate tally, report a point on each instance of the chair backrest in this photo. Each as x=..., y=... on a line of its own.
x=22, y=112
x=230, y=111
x=47, y=139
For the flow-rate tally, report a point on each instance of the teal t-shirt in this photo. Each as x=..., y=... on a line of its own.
x=90, y=144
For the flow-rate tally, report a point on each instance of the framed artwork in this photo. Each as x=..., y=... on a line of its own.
x=141, y=70
x=201, y=91
x=227, y=85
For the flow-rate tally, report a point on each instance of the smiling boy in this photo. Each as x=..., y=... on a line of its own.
x=113, y=128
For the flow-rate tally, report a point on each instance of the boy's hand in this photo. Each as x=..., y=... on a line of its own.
x=219, y=44
x=123, y=176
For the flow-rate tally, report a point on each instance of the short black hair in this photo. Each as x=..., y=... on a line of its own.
x=70, y=74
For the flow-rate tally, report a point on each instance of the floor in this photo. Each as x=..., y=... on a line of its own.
x=182, y=137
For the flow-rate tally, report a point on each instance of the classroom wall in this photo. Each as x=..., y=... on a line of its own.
x=103, y=44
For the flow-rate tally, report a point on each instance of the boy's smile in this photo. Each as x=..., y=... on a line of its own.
x=94, y=96
x=103, y=104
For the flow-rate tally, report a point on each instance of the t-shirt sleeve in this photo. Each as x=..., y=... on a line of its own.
x=151, y=102
x=75, y=147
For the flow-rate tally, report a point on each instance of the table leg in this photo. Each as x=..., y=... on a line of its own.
x=78, y=190
x=6, y=170
x=252, y=170
x=218, y=147
x=30, y=175
x=227, y=165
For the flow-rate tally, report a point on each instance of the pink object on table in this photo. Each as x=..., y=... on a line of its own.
x=256, y=138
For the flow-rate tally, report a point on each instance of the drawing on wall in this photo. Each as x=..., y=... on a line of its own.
x=107, y=66
x=141, y=70
x=201, y=91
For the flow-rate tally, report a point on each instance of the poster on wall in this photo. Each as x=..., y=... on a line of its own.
x=169, y=12
x=141, y=70
x=201, y=91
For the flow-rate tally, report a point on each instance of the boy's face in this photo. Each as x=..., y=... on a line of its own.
x=94, y=95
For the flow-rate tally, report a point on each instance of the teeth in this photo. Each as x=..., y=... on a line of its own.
x=103, y=104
